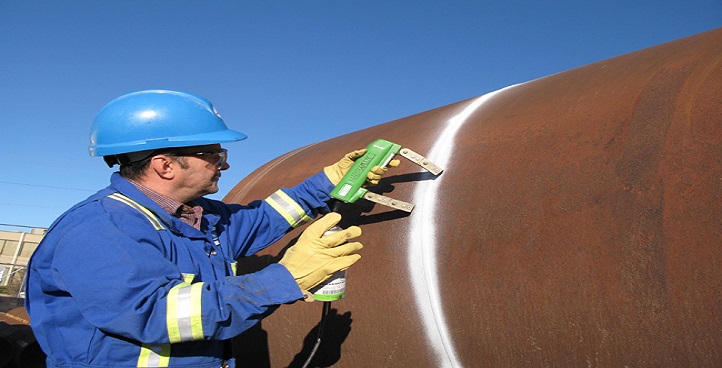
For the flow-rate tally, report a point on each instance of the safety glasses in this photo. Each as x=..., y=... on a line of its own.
x=214, y=158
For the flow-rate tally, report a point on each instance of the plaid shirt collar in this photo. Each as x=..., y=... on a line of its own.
x=190, y=213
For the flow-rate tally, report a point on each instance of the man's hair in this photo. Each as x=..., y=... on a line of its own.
x=136, y=170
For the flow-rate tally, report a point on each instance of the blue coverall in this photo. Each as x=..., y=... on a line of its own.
x=118, y=282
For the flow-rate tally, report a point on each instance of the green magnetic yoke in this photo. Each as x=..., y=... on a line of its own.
x=379, y=153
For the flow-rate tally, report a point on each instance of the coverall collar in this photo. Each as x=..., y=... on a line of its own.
x=174, y=224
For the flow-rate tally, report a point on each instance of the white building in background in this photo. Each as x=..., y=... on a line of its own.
x=15, y=250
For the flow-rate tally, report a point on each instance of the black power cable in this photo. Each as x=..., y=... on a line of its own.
x=324, y=312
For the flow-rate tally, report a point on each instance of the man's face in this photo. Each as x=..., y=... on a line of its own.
x=202, y=169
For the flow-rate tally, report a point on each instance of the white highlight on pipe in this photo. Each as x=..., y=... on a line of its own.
x=423, y=242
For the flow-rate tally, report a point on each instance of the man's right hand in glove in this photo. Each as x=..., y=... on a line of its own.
x=336, y=171
x=314, y=257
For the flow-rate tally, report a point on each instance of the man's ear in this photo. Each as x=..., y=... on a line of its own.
x=162, y=166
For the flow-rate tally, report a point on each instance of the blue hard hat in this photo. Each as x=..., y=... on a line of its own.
x=149, y=120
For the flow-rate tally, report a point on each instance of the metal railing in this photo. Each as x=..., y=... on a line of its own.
x=12, y=279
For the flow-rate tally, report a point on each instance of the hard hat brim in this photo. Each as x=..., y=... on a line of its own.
x=224, y=136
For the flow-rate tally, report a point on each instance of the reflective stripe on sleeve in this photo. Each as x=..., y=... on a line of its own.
x=288, y=208
x=184, y=318
x=154, y=355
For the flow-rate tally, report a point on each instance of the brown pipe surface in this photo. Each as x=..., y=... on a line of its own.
x=578, y=223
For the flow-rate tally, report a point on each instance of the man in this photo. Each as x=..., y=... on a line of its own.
x=142, y=274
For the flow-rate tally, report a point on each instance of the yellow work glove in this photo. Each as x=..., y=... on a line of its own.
x=336, y=171
x=314, y=257
x=377, y=172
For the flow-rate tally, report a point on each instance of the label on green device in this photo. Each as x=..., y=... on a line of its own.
x=345, y=189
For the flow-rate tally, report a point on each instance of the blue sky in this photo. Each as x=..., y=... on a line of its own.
x=286, y=73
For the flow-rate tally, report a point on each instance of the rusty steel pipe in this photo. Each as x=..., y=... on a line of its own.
x=578, y=223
